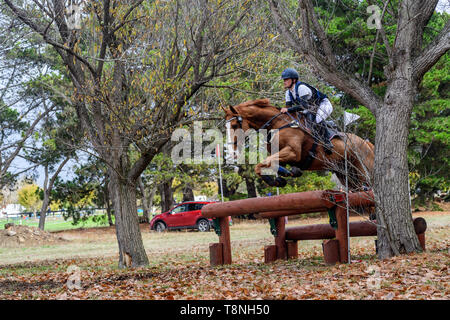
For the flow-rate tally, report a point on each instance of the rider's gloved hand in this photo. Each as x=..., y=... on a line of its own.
x=284, y=110
x=311, y=117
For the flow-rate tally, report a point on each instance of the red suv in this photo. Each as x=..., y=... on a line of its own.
x=186, y=215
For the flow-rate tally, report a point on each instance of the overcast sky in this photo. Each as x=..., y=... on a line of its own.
x=443, y=5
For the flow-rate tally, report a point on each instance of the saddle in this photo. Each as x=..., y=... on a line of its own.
x=329, y=126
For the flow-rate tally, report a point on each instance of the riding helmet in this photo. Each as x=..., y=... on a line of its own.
x=289, y=73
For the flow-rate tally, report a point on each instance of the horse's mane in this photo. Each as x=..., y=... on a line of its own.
x=262, y=103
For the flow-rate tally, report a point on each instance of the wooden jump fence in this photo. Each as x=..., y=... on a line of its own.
x=276, y=208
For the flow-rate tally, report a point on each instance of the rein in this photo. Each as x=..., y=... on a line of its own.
x=268, y=122
x=289, y=125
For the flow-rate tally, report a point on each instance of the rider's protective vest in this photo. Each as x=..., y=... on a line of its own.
x=316, y=97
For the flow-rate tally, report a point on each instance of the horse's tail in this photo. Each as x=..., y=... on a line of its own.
x=362, y=154
x=370, y=144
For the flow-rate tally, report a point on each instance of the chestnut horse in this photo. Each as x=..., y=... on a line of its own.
x=296, y=141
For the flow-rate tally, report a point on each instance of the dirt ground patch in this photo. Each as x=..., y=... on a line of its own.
x=24, y=236
x=108, y=230
x=95, y=233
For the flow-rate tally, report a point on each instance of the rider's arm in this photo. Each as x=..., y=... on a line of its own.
x=304, y=92
x=288, y=99
x=299, y=107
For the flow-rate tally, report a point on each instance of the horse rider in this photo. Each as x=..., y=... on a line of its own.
x=301, y=96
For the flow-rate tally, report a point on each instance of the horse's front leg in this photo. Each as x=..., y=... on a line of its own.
x=287, y=154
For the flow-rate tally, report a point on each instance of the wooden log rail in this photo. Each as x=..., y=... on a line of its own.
x=276, y=208
x=325, y=231
x=357, y=229
x=292, y=203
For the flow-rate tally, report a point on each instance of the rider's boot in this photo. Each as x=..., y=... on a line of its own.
x=324, y=138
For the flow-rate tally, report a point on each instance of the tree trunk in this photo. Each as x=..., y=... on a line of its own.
x=188, y=193
x=131, y=248
x=251, y=188
x=48, y=186
x=145, y=208
x=228, y=191
x=151, y=197
x=109, y=214
x=108, y=204
x=45, y=201
x=166, y=192
x=44, y=207
x=396, y=230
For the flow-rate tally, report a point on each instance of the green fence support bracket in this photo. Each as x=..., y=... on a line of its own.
x=332, y=215
x=216, y=225
x=273, y=227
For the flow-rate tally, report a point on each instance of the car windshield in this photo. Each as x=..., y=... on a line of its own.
x=187, y=207
x=179, y=209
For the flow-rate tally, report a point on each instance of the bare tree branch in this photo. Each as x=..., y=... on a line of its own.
x=338, y=78
x=432, y=53
x=25, y=18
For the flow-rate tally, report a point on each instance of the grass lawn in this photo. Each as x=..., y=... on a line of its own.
x=179, y=268
x=55, y=223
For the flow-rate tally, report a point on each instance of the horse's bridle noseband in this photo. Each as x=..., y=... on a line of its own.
x=239, y=119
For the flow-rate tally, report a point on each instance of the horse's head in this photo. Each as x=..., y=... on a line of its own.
x=242, y=117
x=234, y=121
x=249, y=114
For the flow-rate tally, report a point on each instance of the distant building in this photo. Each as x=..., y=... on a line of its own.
x=11, y=209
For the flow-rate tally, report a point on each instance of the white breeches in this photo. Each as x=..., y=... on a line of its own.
x=324, y=110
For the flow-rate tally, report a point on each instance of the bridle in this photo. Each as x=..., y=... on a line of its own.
x=238, y=118
x=228, y=125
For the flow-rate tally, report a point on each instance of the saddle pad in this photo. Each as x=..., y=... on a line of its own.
x=332, y=130
x=333, y=133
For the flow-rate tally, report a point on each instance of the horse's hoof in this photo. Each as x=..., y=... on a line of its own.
x=280, y=182
x=269, y=180
x=296, y=172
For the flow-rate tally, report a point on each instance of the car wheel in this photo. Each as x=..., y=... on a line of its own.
x=203, y=225
x=160, y=226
